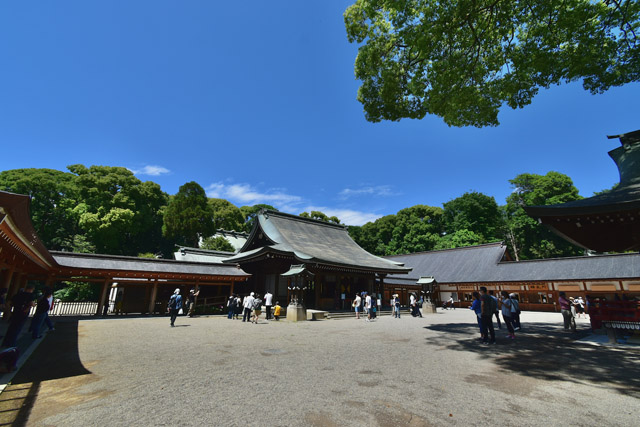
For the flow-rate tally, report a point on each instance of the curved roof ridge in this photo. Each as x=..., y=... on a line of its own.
x=269, y=212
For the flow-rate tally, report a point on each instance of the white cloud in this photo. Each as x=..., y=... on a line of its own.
x=379, y=190
x=346, y=216
x=247, y=195
x=151, y=170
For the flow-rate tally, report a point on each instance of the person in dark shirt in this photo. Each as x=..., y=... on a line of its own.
x=22, y=303
x=42, y=308
x=487, y=306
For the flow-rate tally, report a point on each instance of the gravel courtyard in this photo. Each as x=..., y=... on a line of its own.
x=138, y=371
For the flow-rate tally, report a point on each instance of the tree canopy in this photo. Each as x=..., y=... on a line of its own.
x=119, y=213
x=463, y=60
x=525, y=237
x=474, y=212
x=188, y=216
x=53, y=197
x=226, y=215
x=320, y=216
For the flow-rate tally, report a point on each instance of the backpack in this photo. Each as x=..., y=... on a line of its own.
x=494, y=305
x=257, y=304
x=515, y=307
x=173, y=302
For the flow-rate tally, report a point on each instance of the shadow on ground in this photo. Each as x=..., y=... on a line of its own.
x=56, y=357
x=547, y=352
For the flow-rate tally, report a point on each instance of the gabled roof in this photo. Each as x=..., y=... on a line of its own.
x=310, y=241
x=115, y=263
x=484, y=263
x=468, y=264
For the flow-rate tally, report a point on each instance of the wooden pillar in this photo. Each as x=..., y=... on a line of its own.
x=7, y=284
x=154, y=295
x=103, y=295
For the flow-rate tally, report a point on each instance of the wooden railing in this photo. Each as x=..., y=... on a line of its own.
x=60, y=308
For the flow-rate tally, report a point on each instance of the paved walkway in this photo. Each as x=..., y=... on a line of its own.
x=408, y=371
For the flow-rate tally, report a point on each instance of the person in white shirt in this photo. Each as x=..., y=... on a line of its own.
x=367, y=305
x=268, y=302
x=248, y=307
x=357, y=305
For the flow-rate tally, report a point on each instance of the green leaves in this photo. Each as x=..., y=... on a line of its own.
x=188, y=216
x=463, y=60
x=525, y=237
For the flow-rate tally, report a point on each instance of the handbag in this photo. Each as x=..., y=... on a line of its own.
x=180, y=311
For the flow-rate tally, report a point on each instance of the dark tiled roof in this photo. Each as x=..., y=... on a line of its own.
x=312, y=241
x=484, y=263
x=148, y=265
x=466, y=264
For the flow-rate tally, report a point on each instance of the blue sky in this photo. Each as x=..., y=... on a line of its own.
x=256, y=101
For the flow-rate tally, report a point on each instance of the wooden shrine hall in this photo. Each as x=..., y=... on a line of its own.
x=146, y=283
x=335, y=266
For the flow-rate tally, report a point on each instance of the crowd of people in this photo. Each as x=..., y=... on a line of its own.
x=486, y=305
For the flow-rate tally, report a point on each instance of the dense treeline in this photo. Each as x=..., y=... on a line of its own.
x=475, y=218
x=108, y=210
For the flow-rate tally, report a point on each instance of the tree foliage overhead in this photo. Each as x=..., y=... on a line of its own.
x=320, y=216
x=250, y=213
x=217, y=243
x=463, y=60
x=226, y=215
x=525, y=237
x=53, y=197
x=188, y=216
x=413, y=229
x=476, y=213
x=119, y=213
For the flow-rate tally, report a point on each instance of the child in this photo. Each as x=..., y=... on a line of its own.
x=276, y=310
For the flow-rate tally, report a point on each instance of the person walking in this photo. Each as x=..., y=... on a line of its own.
x=268, y=303
x=257, y=306
x=516, y=314
x=231, y=306
x=42, y=308
x=248, y=307
x=476, y=307
x=392, y=303
x=488, y=306
x=238, y=309
x=367, y=307
x=22, y=303
x=357, y=305
x=396, y=305
x=508, y=310
x=175, y=305
x=496, y=312
x=192, y=301
x=567, y=315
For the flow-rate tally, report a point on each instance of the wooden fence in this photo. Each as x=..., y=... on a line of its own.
x=71, y=309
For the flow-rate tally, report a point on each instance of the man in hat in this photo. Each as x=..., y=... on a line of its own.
x=192, y=300
x=175, y=305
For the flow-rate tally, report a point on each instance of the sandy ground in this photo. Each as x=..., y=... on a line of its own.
x=408, y=371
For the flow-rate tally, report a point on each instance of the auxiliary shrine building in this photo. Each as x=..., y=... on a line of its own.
x=145, y=284
x=461, y=271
